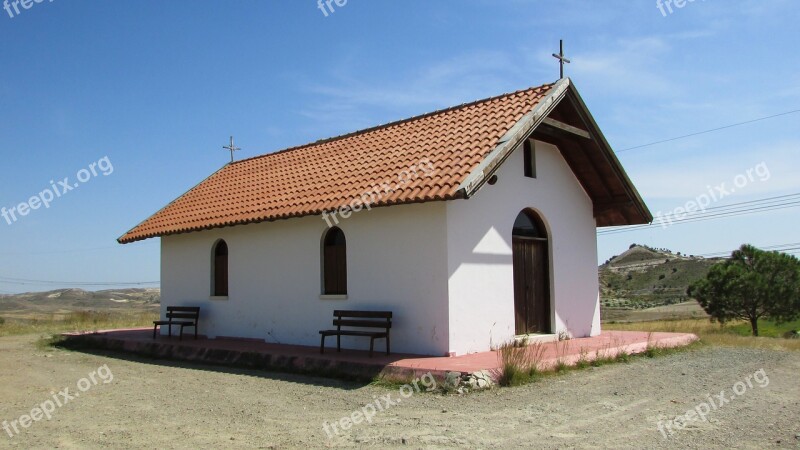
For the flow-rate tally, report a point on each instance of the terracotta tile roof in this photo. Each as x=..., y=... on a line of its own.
x=420, y=159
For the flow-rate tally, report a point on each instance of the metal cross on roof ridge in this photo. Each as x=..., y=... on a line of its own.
x=231, y=147
x=560, y=57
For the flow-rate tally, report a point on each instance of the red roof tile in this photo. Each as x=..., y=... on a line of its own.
x=420, y=159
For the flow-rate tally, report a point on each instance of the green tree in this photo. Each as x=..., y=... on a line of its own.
x=753, y=284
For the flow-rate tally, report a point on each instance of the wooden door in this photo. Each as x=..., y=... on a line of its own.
x=531, y=285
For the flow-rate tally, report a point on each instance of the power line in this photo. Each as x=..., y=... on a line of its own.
x=795, y=246
x=717, y=212
x=23, y=281
x=710, y=130
x=706, y=218
x=740, y=212
x=75, y=250
x=763, y=200
x=722, y=254
x=788, y=199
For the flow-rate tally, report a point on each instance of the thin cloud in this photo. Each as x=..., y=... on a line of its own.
x=690, y=176
x=347, y=99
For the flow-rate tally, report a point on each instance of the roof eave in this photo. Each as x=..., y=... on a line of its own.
x=128, y=238
x=122, y=239
x=630, y=188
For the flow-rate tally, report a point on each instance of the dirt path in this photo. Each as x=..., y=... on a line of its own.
x=159, y=404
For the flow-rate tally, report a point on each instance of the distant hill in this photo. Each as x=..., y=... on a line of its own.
x=641, y=278
x=64, y=301
x=644, y=277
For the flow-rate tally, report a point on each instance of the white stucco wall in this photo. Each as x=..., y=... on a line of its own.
x=480, y=268
x=396, y=260
x=444, y=268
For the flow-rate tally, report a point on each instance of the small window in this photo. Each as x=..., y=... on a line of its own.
x=530, y=159
x=334, y=263
x=219, y=282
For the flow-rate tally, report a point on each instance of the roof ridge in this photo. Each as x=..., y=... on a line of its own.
x=393, y=123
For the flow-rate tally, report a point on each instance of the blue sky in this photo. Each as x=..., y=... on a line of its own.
x=157, y=88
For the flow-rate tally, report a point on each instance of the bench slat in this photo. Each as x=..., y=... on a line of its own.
x=353, y=333
x=183, y=308
x=362, y=323
x=181, y=316
x=363, y=314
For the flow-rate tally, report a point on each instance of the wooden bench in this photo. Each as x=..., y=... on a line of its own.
x=183, y=316
x=376, y=320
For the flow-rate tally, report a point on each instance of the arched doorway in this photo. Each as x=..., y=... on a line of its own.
x=531, y=274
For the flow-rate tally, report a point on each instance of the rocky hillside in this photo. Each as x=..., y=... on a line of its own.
x=645, y=277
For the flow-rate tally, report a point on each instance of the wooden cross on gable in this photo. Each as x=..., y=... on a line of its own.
x=560, y=57
x=231, y=147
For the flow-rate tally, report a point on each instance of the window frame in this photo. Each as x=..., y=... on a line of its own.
x=529, y=156
x=220, y=270
x=334, y=264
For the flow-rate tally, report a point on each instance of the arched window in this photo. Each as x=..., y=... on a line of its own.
x=334, y=263
x=219, y=280
x=528, y=225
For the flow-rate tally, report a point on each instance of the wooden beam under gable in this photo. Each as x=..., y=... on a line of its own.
x=567, y=128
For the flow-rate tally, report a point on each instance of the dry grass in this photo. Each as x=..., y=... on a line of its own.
x=76, y=321
x=562, y=350
x=519, y=362
x=709, y=333
x=583, y=359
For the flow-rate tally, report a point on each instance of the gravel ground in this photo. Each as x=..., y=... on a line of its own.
x=160, y=404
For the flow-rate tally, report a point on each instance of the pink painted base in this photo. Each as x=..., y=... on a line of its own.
x=255, y=353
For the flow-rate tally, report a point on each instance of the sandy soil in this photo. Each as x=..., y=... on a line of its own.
x=160, y=404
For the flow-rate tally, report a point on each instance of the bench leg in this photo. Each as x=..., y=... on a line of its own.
x=338, y=343
x=180, y=336
x=387, y=345
x=371, y=345
x=155, y=327
x=322, y=344
x=195, y=331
